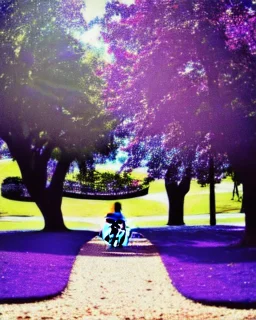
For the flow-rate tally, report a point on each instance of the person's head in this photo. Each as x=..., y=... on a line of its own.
x=117, y=206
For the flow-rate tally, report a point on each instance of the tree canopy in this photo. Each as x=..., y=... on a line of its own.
x=173, y=61
x=184, y=69
x=51, y=97
x=50, y=91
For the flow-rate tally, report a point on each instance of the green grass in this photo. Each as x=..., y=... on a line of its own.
x=18, y=208
x=7, y=169
x=135, y=207
x=219, y=221
x=196, y=202
x=21, y=225
x=75, y=207
x=157, y=186
x=37, y=225
x=199, y=204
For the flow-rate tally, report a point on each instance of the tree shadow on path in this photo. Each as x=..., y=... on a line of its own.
x=37, y=265
x=205, y=266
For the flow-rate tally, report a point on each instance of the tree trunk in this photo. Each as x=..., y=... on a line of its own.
x=176, y=193
x=51, y=210
x=243, y=161
x=33, y=167
x=212, y=193
x=53, y=214
x=51, y=199
x=249, y=193
x=242, y=201
x=176, y=205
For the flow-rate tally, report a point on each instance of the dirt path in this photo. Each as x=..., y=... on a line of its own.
x=129, y=283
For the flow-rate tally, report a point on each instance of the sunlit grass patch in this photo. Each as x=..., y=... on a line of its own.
x=75, y=225
x=199, y=203
x=20, y=208
x=134, y=207
x=9, y=168
x=196, y=202
x=21, y=225
x=219, y=221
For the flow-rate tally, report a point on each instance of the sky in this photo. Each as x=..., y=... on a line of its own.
x=96, y=8
x=93, y=9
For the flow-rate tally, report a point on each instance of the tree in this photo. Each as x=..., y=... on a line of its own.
x=240, y=33
x=51, y=105
x=139, y=78
x=135, y=94
x=174, y=67
x=209, y=168
x=175, y=166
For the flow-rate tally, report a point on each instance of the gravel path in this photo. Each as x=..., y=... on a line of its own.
x=129, y=283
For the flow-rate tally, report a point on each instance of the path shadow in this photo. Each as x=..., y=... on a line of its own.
x=60, y=243
x=205, y=267
x=37, y=265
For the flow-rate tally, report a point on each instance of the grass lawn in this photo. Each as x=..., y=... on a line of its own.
x=196, y=202
x=199, y=203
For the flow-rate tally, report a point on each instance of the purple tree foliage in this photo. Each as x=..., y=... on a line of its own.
x=201, y=163
x=4, y=152
x=240, y=22
x=176, y=72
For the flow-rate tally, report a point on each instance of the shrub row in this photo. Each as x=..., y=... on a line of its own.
x=13, y=188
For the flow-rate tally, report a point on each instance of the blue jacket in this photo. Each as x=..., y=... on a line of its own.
x=116, y=216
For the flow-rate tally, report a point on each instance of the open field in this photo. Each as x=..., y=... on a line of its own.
x=155, y=204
